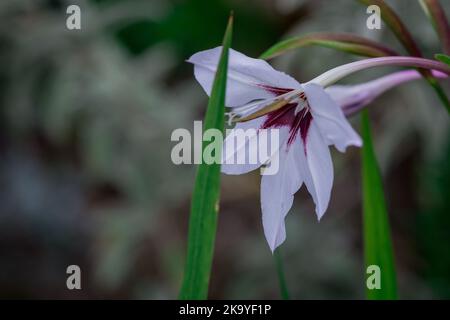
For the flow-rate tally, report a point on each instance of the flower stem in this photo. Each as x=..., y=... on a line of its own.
x=332, y=76
x=404, y=36
x=281, y=277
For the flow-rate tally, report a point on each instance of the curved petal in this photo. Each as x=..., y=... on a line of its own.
x=247, y=146
x=277, y=196
x=248, y=78
x=316, y=168
x=350, y=97
x=330, y=119
x=241, y=143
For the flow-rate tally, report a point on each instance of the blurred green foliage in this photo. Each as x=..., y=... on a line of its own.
x=191, y=26
x=433, y=223
x=86, y=176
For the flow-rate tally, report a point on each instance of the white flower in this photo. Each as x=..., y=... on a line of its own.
x=308, y=118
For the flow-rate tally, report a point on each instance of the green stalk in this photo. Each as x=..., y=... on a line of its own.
x=340, y=41
x=436, y=14
x=205, y=198
x=281, y=277
x=404, y=36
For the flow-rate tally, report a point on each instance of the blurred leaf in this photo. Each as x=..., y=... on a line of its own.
x=404, y=36
x=139, y=35
x=433, y=223
x=436, y=14
x=396, y=25
x=205, y=199
x=339, y=41
x=443, y=58
x=439, y=91
x=377, y=239
x=181, y=26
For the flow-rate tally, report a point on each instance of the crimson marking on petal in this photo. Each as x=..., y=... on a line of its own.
x=281, y=117
x=302, y=96
x=286, y=116
x=275, y=90
x=305, y=123
x=300, y=126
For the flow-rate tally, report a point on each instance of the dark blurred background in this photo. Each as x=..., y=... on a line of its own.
x=85, y=170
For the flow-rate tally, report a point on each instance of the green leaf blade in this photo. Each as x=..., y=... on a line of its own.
x=205, y=198
x=377, y=240
x=339, y=41
x=443, y=58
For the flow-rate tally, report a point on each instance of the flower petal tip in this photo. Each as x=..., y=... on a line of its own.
x=320, y=213
x=356, y=142
x=273, y=247
x=319, y=217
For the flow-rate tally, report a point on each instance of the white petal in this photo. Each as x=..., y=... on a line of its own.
x=243, y=144
x=346, y=95
x=245, y=75
x=234, y=149
x=330, y=119
x=277, y=195
x=316, y=168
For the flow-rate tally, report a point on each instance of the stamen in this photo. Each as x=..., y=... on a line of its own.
x=249, y=106
x=276, y=90
x=231, y=116
x=269, y=108
x=302, y=104
x=280, y=102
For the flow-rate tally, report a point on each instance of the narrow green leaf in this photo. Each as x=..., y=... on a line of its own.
x=377, y=240
x=436, y=14
x=404, y=36
x=443, y=58
x=205, y=198
x=339, y=41
x=439, y=91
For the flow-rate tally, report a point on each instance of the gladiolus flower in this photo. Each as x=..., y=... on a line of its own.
x=308, y=118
